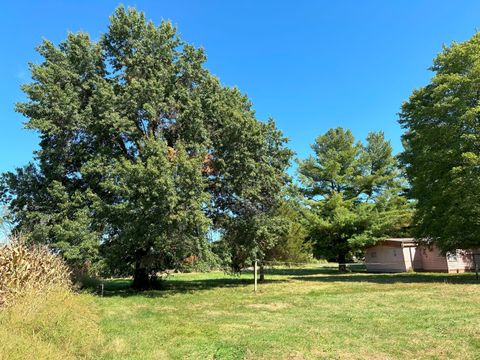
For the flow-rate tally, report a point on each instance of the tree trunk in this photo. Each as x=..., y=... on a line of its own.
x=262, y=272
x=141, y=278
x=342, y=259
x=144, y=277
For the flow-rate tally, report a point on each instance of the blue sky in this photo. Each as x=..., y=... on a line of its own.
x=311, y=65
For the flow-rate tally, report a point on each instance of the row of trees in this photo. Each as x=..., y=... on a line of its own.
x=143, y=153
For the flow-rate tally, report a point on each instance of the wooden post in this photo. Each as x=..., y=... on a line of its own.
x=103, y=287
x=255, y=276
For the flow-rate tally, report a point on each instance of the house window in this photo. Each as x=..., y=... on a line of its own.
x=373, y=254
x=452, y=256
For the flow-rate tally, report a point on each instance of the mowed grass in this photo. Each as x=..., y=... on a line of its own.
x=301, y=313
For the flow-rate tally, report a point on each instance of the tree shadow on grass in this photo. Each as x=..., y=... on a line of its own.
x=169, y=286
x=122, y=287
x=327, y=274
x=383, y=278
x=292, y=272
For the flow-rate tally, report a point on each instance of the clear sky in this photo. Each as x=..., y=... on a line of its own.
x=311, y=65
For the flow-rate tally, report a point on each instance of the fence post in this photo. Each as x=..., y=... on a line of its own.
x=255, y=276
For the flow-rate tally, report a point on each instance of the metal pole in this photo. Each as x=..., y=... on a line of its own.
x=255, y=276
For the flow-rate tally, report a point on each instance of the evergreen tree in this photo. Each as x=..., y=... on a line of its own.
x=354, y=193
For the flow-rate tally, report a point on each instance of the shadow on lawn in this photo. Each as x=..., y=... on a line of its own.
x=292, y=272
x=122, y=287
x=412, y=278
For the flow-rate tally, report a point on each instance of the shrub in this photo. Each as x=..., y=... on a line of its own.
x=209, y=261
x=88, y=282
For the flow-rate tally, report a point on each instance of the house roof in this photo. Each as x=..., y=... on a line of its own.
x=399, y=242
x=402, y=240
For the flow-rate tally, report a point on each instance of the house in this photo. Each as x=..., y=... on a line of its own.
x=404, y=254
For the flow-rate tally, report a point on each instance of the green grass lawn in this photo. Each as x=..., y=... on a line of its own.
x=301, y=313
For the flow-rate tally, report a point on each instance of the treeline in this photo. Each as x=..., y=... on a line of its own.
x=147, y=162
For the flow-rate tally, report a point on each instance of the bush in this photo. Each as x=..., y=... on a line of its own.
x=88, y=282
x=208, y=262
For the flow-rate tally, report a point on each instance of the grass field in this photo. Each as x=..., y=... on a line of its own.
x=301, y=313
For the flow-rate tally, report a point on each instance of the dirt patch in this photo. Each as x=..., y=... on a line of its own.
x=272, y=306
x=118, y=345
x=213, y=313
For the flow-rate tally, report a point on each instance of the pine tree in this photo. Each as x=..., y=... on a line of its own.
x=354, y=192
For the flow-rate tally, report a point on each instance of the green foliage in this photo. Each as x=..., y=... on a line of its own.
x=442, y=142
x=142, y=150
x=292, y=244
x=158, y=218
x=246, y=199
x=208, y=262
x=223, y=253
x=354, y=193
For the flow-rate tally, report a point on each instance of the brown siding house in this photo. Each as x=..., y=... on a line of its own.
x=403, y=254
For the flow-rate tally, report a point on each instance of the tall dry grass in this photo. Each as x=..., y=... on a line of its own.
x=51, y=324
x=40, y=316
x=23, y=267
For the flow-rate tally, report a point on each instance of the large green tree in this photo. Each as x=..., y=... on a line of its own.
x=442, y=149
x=142, y=150
x=354, y=192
